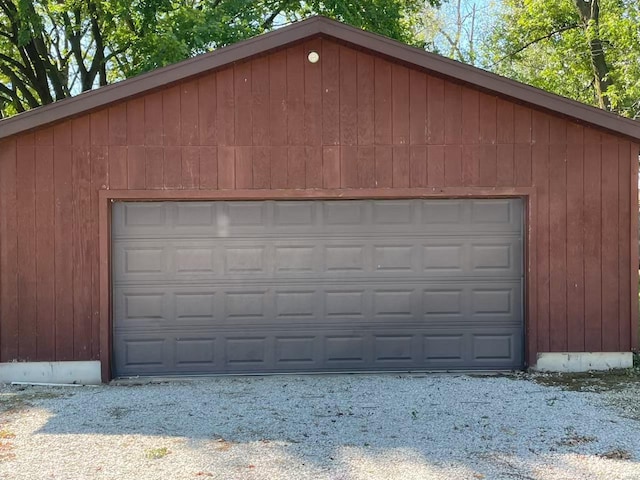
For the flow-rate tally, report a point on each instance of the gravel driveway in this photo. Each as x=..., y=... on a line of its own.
x=320, y=427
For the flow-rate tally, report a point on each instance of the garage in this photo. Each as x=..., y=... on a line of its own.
x=316, y=199
x=290, y=286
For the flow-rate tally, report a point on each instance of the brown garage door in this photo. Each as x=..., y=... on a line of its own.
x=288, y=286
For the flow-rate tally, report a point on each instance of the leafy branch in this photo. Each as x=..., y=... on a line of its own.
x=533, y=42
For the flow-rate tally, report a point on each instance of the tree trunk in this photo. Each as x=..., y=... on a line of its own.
x=590, y=15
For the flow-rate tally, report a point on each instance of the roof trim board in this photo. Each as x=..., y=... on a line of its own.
x=313, y=27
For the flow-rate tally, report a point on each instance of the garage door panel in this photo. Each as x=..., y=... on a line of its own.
x=318, y=259
x=340, y=258
x=191, y=352
x=144, y=354
x=489, y=257
x=245, y=259
x=445, y=212
x=296, y=259
x=245, y=305
x=296, y=304
x=426, y=303
x=251, y=287
x=483, y=347
x=492, y=301
x=497, y=302
x=495, y=213
x=195, y=260
x=445, y=256
x=158, y=306
x=344, y=213
x=445, y=303
x=147, y=352
x=297, y=351
x=144, y=306
x=147, y=216
x=300, y=214
x=491, y=347
x=473, y=257
x=394, y=349
x=190, y=215
x=343, y=303
x=394, y=212
x=165, y=352
x=244, y=214
x=396, y=303
x=144, y=260
x=195, y=306
x=473, y=303
x=273, y=218
x=237, y=351
x=395, y=257
x=246, y=352
x=140, y=260
x=445, y=348
x=486, y=216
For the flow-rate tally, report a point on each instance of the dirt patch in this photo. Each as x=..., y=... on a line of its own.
x=626, y=401
x=222, y=445
x=6, y=451
x=617, y=454
x=118, y=412
x=6, y=434
x=573, y=439
x=14, y=401
x=595, y=382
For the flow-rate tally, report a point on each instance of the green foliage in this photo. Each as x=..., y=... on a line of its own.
x=164, y=32
x=52, y=49
x=546, y=44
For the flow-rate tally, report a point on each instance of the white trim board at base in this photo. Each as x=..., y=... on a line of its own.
x=582, y=361
x=78, y=373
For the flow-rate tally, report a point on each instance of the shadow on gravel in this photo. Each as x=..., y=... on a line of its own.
x=476, y=426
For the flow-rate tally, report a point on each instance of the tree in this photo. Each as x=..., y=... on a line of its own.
x=53, y=49
x=588, y=50
x=457, y=29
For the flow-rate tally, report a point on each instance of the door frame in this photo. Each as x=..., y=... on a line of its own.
x=108, y=197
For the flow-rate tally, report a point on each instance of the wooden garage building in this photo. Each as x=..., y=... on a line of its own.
x=259, y=210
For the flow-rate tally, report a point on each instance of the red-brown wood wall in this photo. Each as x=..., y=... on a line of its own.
x=353, y=120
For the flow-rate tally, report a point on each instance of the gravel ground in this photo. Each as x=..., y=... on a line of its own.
x=343, y=427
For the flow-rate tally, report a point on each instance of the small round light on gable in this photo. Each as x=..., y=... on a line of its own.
x=313, y=56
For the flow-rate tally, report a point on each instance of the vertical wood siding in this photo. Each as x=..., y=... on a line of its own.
x=352, y=120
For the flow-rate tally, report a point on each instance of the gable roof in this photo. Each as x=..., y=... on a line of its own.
x=319, y=27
